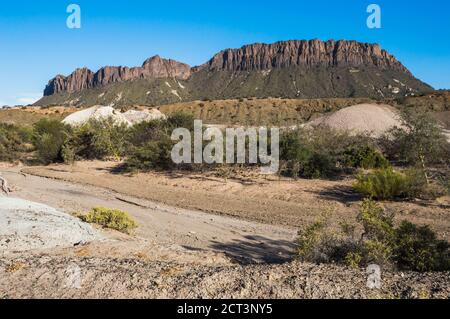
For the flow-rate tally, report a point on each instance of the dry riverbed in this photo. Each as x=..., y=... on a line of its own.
x=249, y=197
x=199, y=236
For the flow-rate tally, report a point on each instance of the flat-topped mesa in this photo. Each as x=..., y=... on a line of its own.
x=153, y=68
x=304, y=53
x=302, y=69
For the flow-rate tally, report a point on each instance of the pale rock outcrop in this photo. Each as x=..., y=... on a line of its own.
x=99, y=112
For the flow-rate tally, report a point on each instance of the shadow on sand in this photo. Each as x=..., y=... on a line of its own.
x=342, y=194
x=255, y=250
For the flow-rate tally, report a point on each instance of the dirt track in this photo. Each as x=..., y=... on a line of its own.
x=52, y=277
x=249, y=197
x=181, y=253
x=167, y=226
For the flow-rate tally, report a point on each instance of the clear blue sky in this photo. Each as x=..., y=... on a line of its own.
x=35, y=43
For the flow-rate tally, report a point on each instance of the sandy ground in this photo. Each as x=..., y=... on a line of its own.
x=242, y=250
x=165, y=225
x=94, y=277
x=251, y=198
x=372, y=119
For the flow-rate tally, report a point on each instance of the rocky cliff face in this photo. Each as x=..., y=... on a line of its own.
x=303, y=53
x=81, y=79
x=288, y=69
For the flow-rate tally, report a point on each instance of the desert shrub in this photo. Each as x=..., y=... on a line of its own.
x=299, y=157
x=151, y=155
x=178, y=120
x=150, y=143
x=443, y=179
x=316, y=243
x=48, y=138
x=364, y=156
x=420, y=140
x=309, y=239
x=417, y=248
x=376, y=222
x=407, y=247
x=13, y=141
x=378, y=234
x=110, y=218
x=324, y=152
x=386, y=184
x=319, y=165
x=157, y=129
x=144, y=132
x=97, y=139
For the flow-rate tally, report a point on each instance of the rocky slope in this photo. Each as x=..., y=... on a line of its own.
x=26, y=225
x=153, y=68
x=303, y=53
x=289, y=69
x=44, y=276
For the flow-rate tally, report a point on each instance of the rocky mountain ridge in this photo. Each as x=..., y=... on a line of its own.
x=83, y=78
x=287, y=69
x=304, y=53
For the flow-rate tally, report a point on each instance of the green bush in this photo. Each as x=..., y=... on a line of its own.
x=364, y=156
x=408, y=247
x=309, y=239
x=299, y=157
x=48, y=138
x=13, y=142
x=147, y=131
x=156, y=130
x=151, y=144
x=376, y=222
x=179, y=119
x=110, y=218
x=387, y=184
x=378, y=234
x=417, y=248
x=419, y=142
x=151, y=155
x=324, y=152
x=319, y=165
x=97, y=139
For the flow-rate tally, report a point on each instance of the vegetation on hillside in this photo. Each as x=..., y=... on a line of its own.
x=407, y=163
x=14, y=142
x=419, y=151
x=376, y=240
x=325, y=153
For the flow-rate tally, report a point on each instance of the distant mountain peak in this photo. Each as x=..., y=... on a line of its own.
x=291, y=69
x=83, y=78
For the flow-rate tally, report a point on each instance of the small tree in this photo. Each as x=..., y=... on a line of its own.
x=420, y=140
x=97, y=139
x=48, y=138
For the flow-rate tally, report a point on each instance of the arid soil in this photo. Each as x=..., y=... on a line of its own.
x=29, y=115
x=199, y=236
x=269, y=200
x=371, y=119
x=44, y=276
x=164, y=225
